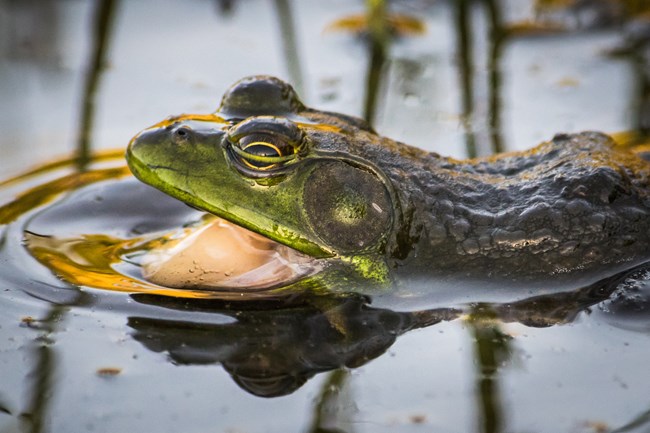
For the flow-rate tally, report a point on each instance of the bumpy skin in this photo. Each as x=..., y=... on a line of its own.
x=572, y=203
x=575, y=203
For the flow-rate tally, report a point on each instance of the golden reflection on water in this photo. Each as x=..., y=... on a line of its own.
x=45, y=193
x=91, y=260
x=94, y=261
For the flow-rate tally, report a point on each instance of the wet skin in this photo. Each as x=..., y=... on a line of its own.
x=327, y=185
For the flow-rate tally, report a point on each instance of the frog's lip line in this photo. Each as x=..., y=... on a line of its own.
x=138, y=167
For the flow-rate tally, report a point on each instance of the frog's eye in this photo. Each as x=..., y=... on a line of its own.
x=263, y=151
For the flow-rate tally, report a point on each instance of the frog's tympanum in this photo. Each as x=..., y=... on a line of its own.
x=328, y=186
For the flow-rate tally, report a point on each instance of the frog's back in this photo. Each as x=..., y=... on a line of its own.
x=576, y=202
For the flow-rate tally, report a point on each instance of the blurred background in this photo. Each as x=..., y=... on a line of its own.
x=461, y=78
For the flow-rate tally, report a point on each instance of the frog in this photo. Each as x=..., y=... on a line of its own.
x=330, y=187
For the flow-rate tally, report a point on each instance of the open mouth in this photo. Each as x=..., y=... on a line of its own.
x=219, y=255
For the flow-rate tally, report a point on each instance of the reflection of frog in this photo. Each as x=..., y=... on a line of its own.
x=273, y=348
x=328, y=186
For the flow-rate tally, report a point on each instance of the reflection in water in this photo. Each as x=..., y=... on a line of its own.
x=496, y=39
x=378, y=50
x=43, y=386
x=550, y=17
x=105, y=11
x=46, y=192
x=379, y=28
x=225, y=7
x=466, y=66
x=466, y=70
x=269, y=347
x=470, y=86
x=636, y=48
x=33, y=32
x=640, y=424
x=492, y=350
x=289, y=43
x=333, y=399
x=641, y=66
x=275, y=349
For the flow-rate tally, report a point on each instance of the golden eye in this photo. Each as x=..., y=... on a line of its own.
x=262, y=152
x=260, y=149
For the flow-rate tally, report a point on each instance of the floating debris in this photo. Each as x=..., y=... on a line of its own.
x=108, y=371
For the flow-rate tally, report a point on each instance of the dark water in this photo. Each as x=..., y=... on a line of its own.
x=87, y=345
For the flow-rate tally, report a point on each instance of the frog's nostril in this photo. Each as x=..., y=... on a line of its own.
x=181, y=135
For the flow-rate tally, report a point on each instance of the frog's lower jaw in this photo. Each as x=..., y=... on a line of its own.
x=216, y=255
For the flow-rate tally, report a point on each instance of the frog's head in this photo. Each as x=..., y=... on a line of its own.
x=266, y=162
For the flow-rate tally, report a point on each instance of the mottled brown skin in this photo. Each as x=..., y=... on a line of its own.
x=577, y=203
